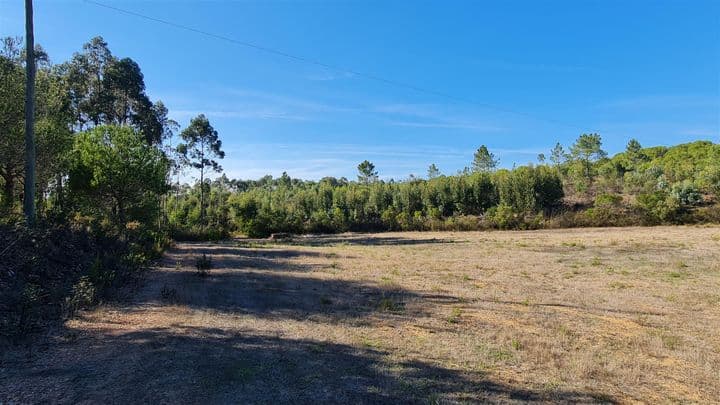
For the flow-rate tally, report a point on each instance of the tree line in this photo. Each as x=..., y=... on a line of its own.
x=578, y=187
x=100, y=177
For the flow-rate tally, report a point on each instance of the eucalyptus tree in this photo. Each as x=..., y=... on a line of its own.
x=12, y=81
x=106, y=90
x=52, y=122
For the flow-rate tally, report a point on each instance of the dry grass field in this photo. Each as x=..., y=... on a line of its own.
x=581, y=315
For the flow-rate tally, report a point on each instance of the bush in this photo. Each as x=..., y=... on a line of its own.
x=53, y=271
x=203, y=265
x=83, y=295
x=686, y=193
x=709, y=214
x=607, y=200
x=198, y=233
x=658, y=207
x=503, y=216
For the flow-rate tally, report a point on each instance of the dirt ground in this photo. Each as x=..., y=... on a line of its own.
x=583, y=315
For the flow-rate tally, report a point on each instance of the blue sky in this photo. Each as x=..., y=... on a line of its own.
x=550, y=69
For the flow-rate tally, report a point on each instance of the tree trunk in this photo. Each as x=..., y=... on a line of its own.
x=202, y=182
x=29, y=197
x=8, y=191
x=202, y=199
x=59, y=192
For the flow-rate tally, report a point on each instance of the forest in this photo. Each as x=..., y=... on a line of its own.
x=580, y=187
x=110, y=199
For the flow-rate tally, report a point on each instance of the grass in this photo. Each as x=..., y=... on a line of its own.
x=390, y=305
x=455, y=315
x=618, y=314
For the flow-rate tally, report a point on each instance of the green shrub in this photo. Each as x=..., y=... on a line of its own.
x=503, y=216
x=658, y=207
x=686, y=193
x=83, y=295
x=198, y=233
x=607, y=200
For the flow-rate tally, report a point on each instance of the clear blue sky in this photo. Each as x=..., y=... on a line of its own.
x=631, y=68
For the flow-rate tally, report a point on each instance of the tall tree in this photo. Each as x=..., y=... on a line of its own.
x=634, y=153
x=107, y=90
x=12, y=81
x=366, y=172
x=557, y=154
x=202, y=145
x=433, y=171
x=52, y=122
x=588, y=149
x=85, y=72
x=29, y=192
x=483, y=160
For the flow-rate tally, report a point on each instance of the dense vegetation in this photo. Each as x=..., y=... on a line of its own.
x=582, y=187
x=106, y=203
x=102, y=170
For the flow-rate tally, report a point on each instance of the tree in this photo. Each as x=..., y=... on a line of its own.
x=29, y=192
x=201, y=147
x=588, y=149
x=52, y=122
x=114, y=171
x=484, y=161
x=433, y=171
x=108, y=90
x=541, y=158
x=85, y=72
x=557, y=154
x=366, y=172
x=12, y=83
x=634, y=153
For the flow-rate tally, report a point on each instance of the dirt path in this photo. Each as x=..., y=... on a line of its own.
x=324, y=321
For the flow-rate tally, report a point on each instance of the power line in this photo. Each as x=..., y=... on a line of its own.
x=302, y=59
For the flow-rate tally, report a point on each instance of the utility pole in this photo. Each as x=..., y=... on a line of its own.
x=29, y=194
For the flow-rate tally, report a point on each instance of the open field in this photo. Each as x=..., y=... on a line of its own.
x=589, y=315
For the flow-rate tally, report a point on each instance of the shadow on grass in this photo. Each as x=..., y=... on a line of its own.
x=207, y=365
x=267, y=294
x=361, y=240
x=182, y=364
x=570, y=306
x=268, y=284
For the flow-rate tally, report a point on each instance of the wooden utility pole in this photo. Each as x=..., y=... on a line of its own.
x=29, y=194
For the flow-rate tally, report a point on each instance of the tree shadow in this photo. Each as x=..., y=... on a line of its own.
x=594, y=310
x=210, y=365
x=240, y=250
x=266, y=294
x=128, y=362
x=361, y=240
x=270, y=284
